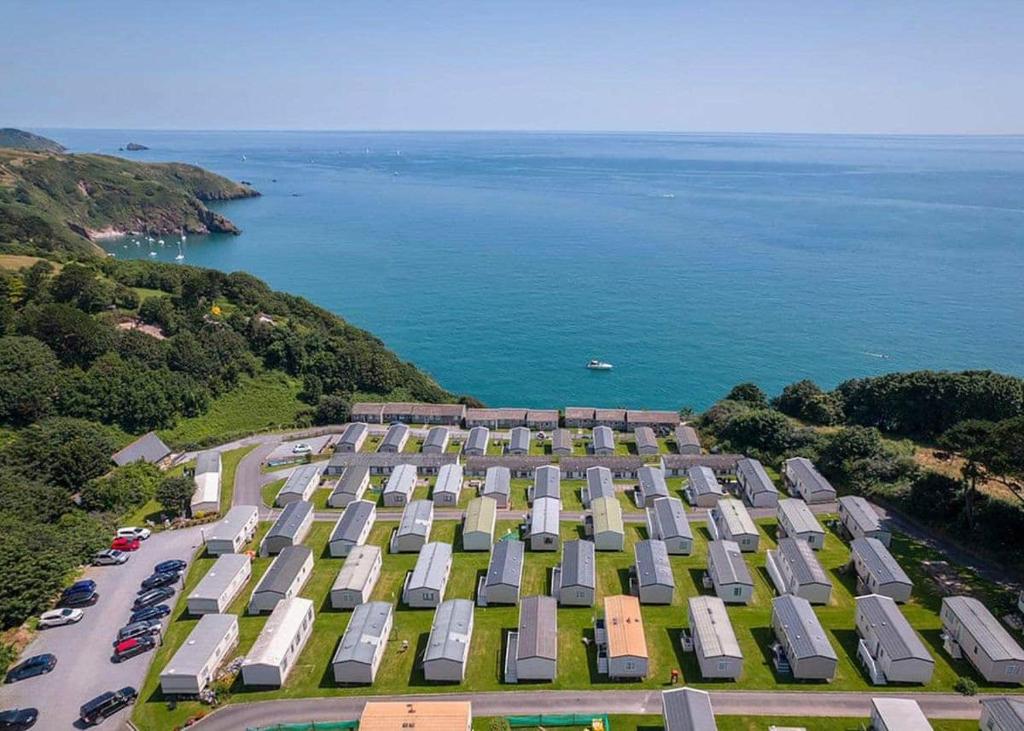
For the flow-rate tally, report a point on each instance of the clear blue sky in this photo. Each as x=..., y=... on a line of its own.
x=941, y=66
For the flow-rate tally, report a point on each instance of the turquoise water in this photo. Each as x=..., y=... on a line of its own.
x=501, y=263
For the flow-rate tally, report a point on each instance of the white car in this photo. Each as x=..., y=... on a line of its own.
x=302, y=448
x=133, y=532
x=58, y=617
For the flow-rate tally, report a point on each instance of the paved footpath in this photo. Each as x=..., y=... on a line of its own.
x=512, y=702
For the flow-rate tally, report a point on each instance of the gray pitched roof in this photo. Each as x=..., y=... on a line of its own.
x=879, y=561
x=506, y=564
x=147, y=448
x=545, y=516
x=431, y=569
x=497, y=481
x=449, y=480
x=351, y=480
x=450, y=631
x=208, y=461
x=561, y=439
x=358, y=566
x=799, y=516
x=687, y=709
x=812, y=480
x=802, y=560
x=284, y=569
x=671, y=517
x=364, y=633
x=710, y=624
x=350, y=525
x=702, y=481
x=895, y=635
x=604, y=438
x=538, y=628
x=861, y=513
x=402, y=480
x=478, y=438
x=800, y=624
x=644, y=436
x=436, y=437
x=714, y=461
x=726, y=564
x=756, y=478
x=630, y=463
x=229, y=526
x=217, y=580
x=578, y=564
x=192, y=656
x=353, y=432
x=394, y=436
x=986, y=630
x=599, y=482
x=300, y=478
x=417, y=518
x=686, y=436
x=290, y=520
x=1007, y=712
x=547, y=482
x=652, y=482
x=518, y=462
x=652, y=564
x=519, y=438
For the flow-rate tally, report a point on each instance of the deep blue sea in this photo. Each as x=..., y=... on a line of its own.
x=501, y=263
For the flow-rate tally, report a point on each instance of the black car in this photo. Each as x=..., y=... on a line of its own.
x=81, y=598
x=107, y=704
x=158, y=580
x=36, y=665
x=149, y=613
x=175, y=565
x=138, y=629
x=18, y=719
x=83, y=585
x=152, y=597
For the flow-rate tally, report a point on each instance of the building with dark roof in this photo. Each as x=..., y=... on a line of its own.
x=352, y=528
x=972, y=632
x=147, y=448
x=531, y=653
x=353, y=438
x=729, y=573
x=666, y=521
x=448, y=644
x=603, y=443
x=284, y=579
x=797, y=521
x=861, y=521
x=448, y=486
x=687, y=709
x=300, y=485
x=574, y=580
x=646, y=441
x=547, y=482
x=878, y=571
x=652, y=573
x=437, y=440
x=363, y=643
x=500, y=585
x=702, y=487
x=1002, y=714
x=889, y=647
x=723, y=465
x=380, y=463
x=290, y=529
x=804, y=642
x=498, y=486
x=477, y=441
x=622, y=467
x=519, y=441
x=561, y=443
x=350, y=486
x=687, y=440
x=795, y=569
x=394, y=439
x=599, y=484
x=425, y=584
x=651, y=485
x=755, y=484
x=804, y=481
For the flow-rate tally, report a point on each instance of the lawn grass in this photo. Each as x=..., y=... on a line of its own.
x=269, y=491
x=267, y=401
x=625, y=722
x=576, y=664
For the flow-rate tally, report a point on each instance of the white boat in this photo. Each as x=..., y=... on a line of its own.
x=152, y=253
x=599, y=365
x=179, y=257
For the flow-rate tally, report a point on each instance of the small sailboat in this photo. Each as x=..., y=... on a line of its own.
x=599, y=365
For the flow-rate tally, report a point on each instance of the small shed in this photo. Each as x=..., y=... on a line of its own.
x=714, y=640
x=352, y=528
x=500, y=585
x=599, y=484
x=687, y=440
x=603, y=442
x=353, y=438
x=357, y=577
x=290, y=529
x=437, y=440
x=795, y=569
x=646, y=441
x=279, y=644
x=350, y=486
x=519, y=441
x=620, y=639
x=424, y=586
x=666, y=521
x=861, y=521
x=448, y=644
x=574, y=580
x=605, y=525
x=731, y=521
x=544, y=524
x=755, y=484
x=300, y=485
x=233, y=531
x=687, y=709
x=478, y=526
x=206, y=497
x=702, y=487
x=808, y=653
x=729, y=573
x=650, y=486
x=547, y=482
x=878, y=571
x=797, y=521
x=531, y=653
x=477, y=441
x=498, y=486
x=448, y=486
x=897, y=714
x=284, y=579
x=394, y=439
x=561, y=443
x=804, y=481
x=362, y=644
x=889, y=647
x=414, y=527
x=972, y=632
x=220, y=585
x=400, y=486
x=652, y=573
x=195, y=663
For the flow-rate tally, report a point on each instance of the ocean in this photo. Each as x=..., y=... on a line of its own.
x=501, y=263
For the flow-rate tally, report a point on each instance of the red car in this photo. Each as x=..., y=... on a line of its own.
x=131, y=648
x=126, y=544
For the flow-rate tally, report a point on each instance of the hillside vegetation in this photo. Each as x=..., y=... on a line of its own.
x=18, y=139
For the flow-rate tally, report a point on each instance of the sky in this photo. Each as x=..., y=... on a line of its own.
x=929, y=67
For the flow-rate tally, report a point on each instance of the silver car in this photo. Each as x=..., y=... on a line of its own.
x=110, y=557
x=58, y=617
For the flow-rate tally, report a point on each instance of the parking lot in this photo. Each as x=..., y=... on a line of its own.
x=83, y=650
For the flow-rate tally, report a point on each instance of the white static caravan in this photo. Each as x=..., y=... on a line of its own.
x=755, y=484
x=531, y=652
x=652, y=573
x=414, y=528
x=400, y=485
x=1002, y=714
x=620, y=639
x=425, y=584
x=574, y=580
x=878, y=571
x=500, y=585
x=687, y=709
x=687, y=440
x=352, y=438
x=731, y=521
x=394, y=439
x=279, y=644
x=363, y=643
x=221, y=584
x=897, y=714
x=448, y=644
x=290, y=529
x=797, y=521
x=714, y=640
x=437, y=440
x=284, y=579
x=351, y=486
x=561, y=443
x=666, y=521
x=519, y=441
x=972, y=632
x=599, y=484
x=478, y=525
x=300, y=485
x=888, y=646
x=193, y=665
x=544, y=528
x=547, y=482
x=448, y=486
x=603, y=442
x=650, y=486
x=477, y=441
x=729, y=573
x=646, y=441
x=233, y=531
x=352, y=528
x=703, y=489
x=354, y=583
x=795, y=569
x=498, y=486
x=206, y=497
x=861, y=521
x=804, y=481
x=808, y=652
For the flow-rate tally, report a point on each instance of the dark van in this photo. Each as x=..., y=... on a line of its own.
x=106, y=705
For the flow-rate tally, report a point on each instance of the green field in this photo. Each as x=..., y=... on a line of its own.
x=398, y=674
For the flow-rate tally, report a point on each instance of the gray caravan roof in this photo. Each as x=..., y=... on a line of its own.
x=578, y=564
x=604, y=438
x=702, y=481
x=478, y=438
x=1007, y=712
x=358, y=566
x=986, y=630
x=416, y=518
x=671, y=517
x=353, y=433
x=365, y=632
x=351, y=480
x=506, y=564
x=519, y=438
x=350, y=525
x=561, y=439
x=547, y=482
x=895, y=635
x=432, y=564
x=300, y=478
x=652, y=564
x=449, y=480
x=806, y=636
x=799, y=516
x=756, y=478
x=802, y=560
x=545, y=516
x=538, y=628
x=450, y=631
x=686, y=436
x=644, y=436
x=879, y=561
x=809, y=476
x=290, y=520
x=208, y=461
x=687, y=709
x=147, y=448
x=394, y=435
x=599, y=483
x=436, y=437
x=652, y=482
x=231, y=524
x=402, y=480
x=284, y=569
x=861, y=512
x=219, y=577
x=725, y=562
x=191, y=658
x=710, y=624
x=497, y=481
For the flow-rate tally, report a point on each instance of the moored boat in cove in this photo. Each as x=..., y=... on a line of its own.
x=599, y=365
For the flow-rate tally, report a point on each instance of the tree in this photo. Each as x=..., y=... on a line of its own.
x=29, y=379
x=75, y=337
x=62, y=451
x=332, y=409
x=761, y=430
x=804, y=400
x=175, y=494
x=972, y=441
x=748, y=393
x=123, y=489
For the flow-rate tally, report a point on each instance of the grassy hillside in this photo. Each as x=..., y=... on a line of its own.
x=20, y=140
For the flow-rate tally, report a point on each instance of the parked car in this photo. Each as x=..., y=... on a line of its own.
x=150, y=613
x=18, y=719
x=126, y=544
x=175, y=564
x=30, y=668
x=58, y=617
x=110, y=557
x=153, y=597
x=132, y=647
x=134, y=532
x=80, y=586
x=302, y=448
x=107, y=704
x=156, y=580
x=138, y=629
x=80, y=597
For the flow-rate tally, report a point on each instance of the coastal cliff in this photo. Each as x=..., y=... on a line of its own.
x=18, y=139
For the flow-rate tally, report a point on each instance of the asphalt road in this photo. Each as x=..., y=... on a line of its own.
x=83, y=650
